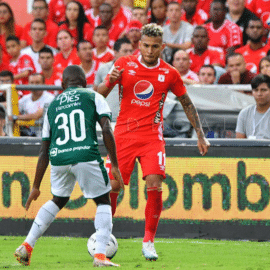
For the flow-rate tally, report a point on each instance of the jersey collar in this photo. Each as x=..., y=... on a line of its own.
x=140, y=60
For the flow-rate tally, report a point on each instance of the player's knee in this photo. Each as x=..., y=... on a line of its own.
x=103, y=199
x=60, y=201
x=115, y=186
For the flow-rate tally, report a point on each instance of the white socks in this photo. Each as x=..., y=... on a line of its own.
x=103, y=226
x=43, y=220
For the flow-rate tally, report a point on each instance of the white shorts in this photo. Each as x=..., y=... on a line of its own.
x=92, y=178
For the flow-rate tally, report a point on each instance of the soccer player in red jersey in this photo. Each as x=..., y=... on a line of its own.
x=88, y=64
x=21, y=65
x=222, y=33
x=201, y=54
x=255, y=49
x=57, y=9
x=192, y=13
x=144, y=82
x=102, y=53
x=68, y=54
x=40, y=10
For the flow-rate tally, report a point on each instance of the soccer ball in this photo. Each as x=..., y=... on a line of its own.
x=111, y=248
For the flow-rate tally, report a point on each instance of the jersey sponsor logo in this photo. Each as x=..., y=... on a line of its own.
x=161, y=77
x=53, y=152
x=140, y=103
x=68, y=97
x=143, y=90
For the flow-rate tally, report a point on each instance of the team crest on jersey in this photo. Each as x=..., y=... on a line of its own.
x=143, y=90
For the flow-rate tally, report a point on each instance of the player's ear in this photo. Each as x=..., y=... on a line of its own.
x=163, y=46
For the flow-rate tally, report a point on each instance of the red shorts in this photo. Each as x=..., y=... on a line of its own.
x=151, y=156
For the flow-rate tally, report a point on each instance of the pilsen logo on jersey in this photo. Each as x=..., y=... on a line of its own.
x=143, y=90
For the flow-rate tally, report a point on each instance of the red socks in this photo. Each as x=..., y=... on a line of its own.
x=113, y=196
x=152, y=213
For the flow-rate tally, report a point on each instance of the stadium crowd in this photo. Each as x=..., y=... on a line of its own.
x=207, y=41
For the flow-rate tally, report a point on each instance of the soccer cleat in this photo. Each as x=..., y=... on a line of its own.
x=100, y=260
x=149, y=251
x=23, y=254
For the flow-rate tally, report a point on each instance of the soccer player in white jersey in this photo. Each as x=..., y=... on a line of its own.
x=72, y=150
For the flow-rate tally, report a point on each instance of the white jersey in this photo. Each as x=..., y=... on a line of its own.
x=35, y=55
x=28, y=106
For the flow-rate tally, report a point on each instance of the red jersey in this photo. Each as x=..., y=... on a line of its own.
x=260, y=8
x=61, y=62
x=93, y=20
x=105, y=57
x=87, y=32
x=191, y=76
x=211, y=56
x=23, y=63
x=143, y=91
x=119, y=23
x=18, y=34
x=252, y=57
x=90, y=76
x=57, y=9
x=200, y=17
x=56, y=77
x=50, y=38
x=226, y=36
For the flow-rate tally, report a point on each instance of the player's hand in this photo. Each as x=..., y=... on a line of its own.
x=34, y=194
x=117, y=176
x=116, y=74
x=203, y=145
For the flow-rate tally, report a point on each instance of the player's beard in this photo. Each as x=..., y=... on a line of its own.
x=151, y=61
x=255, y=40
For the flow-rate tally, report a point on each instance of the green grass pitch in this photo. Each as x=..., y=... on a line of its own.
x=71, y=253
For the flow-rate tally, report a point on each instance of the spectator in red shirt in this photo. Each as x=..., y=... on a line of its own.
x=92, y=14
x=102, y=53
x=222, y=33
x=76, y=22
x=236, y=71
x=255, y=49
x=7, y=25
x=40, y=10
x=88, y=64
x=37, y=33
x=106, y=19
x=192, y=13
x=20, y=65
x=207, y=74
x=67, y=55
x=181, y=62
x=202, y=54
x=139, y=13
x=121, y=16
x=158, y=12
x=52, y=74
x=240, y=15
x=57, y=9
x=134, y=35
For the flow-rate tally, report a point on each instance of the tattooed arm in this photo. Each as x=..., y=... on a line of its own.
x=193, y=117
